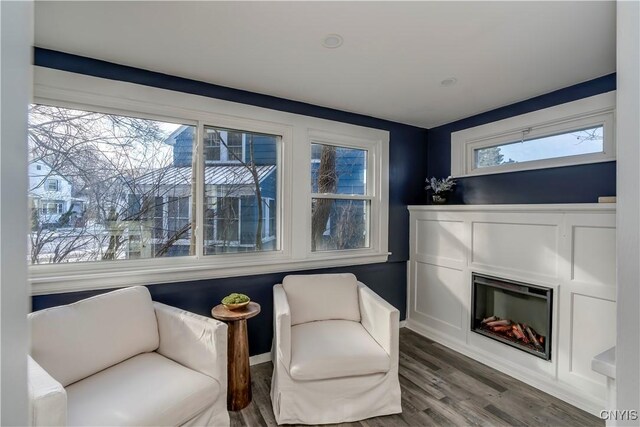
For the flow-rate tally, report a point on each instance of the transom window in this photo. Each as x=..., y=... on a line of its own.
x=574, y=143
x=574, y=133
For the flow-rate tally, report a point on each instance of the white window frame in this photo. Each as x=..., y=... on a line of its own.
x=372, y=149
x=598, y=110
x=55, y=87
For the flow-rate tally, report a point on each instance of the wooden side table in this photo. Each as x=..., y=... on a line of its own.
x=238, y=373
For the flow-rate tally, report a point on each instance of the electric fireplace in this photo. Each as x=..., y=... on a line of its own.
x=513, y=313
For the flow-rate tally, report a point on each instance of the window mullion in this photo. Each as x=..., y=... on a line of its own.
x=198, y=191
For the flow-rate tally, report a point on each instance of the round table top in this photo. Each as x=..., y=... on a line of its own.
x=220, y=312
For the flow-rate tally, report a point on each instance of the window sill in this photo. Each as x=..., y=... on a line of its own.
x=45, y=281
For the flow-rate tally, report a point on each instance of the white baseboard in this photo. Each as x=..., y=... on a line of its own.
x=403, y=323
x=556, y=389
x=260, y=358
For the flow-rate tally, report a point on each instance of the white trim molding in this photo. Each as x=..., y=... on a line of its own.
x=568, y=248
x=54, y=87
x=598, y=110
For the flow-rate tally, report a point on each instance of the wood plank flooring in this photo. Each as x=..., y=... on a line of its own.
x=441, y=388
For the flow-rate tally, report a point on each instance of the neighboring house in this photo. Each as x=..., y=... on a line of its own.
x=163, y=197
x=51, y=194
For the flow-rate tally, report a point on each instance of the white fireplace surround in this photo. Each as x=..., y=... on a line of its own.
x=569, y=248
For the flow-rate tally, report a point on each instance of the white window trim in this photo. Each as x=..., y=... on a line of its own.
x=373, y=186
x=110, y=96
x=587, y=112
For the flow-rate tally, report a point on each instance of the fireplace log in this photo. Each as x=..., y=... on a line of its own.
x=503, y=322
x=501, y=328
x=489, y=319
x=519, y=333
x=533, y=339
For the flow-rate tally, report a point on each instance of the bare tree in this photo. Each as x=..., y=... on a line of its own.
x=251, y=166
x=107, y=158
x=327, y=183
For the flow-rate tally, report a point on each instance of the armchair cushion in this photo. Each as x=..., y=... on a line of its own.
x=74, y=341
x=333, y=349
x=322, y=297
x=148, y=389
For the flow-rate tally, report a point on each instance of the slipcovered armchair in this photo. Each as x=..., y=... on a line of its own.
x=335, y=351
x=120, y=359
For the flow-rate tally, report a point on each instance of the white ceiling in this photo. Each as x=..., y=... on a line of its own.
x=394, y=56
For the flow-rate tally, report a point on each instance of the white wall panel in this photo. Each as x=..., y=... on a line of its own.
x=570, y=248
x=440, y=295
x=594, y=255
x=520, y=247
x=445, y=239
x=593, y=331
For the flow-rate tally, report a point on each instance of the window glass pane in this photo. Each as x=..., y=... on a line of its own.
x=339, y=224
x=338, y=170
x=241, y=194
x=574, y=143
x=113, y=177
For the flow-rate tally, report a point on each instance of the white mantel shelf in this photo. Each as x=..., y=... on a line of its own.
x=569, y=248
x=565, y=207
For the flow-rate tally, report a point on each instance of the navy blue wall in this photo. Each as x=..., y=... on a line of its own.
x=407, y=171
x=570, y=184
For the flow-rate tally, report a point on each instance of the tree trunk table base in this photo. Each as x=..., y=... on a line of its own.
x=238, y=373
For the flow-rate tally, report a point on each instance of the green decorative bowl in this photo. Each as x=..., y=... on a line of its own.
x=235, y=301
x=236, y=306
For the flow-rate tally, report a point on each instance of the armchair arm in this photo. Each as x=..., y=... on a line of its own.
x=197, y=342
x=47, y=397
x=281, y=327
x=380, y=319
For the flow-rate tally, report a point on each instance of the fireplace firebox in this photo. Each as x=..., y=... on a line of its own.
x=514, y=313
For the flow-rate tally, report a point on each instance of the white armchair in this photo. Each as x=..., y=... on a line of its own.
x=120, y=359
x=335, y=351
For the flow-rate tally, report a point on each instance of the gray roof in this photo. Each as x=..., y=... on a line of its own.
x=213, y=175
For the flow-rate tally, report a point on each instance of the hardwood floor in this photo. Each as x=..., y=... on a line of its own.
x=442, y=388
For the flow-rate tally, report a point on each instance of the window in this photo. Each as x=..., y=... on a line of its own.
x=121, y=170
x=340, y=204
x=38, y=167
x=52, y=185
x=234, y=146
x=222, y=145
x=574, y=133
x=163, y=186
x=574, y=143
x=236, y=194
x=212, y=143
x=51, y=208
x=178, y=217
